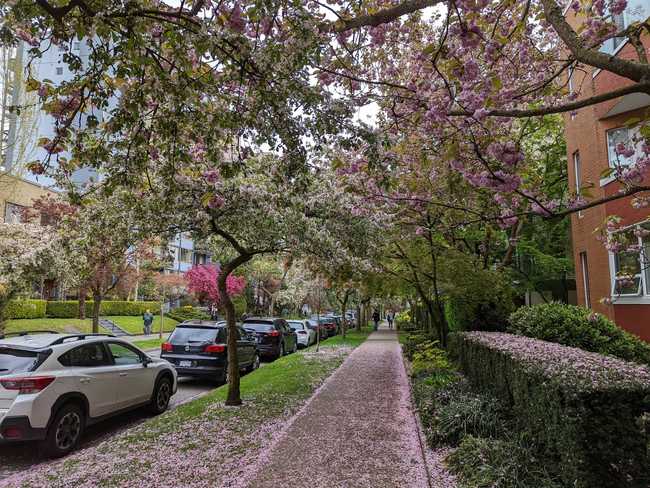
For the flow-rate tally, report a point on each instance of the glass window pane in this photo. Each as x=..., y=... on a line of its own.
x=122, y=355
x=614, y=138
x=628, y=286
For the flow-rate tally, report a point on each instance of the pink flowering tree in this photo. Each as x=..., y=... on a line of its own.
x=202, y=281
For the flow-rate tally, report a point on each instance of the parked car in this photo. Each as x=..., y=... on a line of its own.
x=274, y=336
x=199, y=348
x=306, y=335
x=53, y=386
x=330, y=325
x=339, y=322
x=318, y=328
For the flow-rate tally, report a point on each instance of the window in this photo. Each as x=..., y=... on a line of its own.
x=123, y=355
x=13, y=213
x=16, y=360
x=76, y=46
x=87, y=356
x=185, y=255
x=631, y=266
x=630, y=138
x=59, y=71
x=576, y=169
x=636, y=11
x=585, y=278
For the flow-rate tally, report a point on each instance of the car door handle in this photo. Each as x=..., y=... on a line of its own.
x=84, y=380
x=124, y=374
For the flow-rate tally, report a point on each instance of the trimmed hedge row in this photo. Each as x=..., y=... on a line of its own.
x=587, y=410
x=69, y=309
x=25, y=309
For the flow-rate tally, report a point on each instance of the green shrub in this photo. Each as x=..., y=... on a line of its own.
x=187, y=312
x=70, y=308
x=499, y=463
x=584, y=409
x=466, y=413
x=476, y=298
x=413, y=341
x=240, y=305
x=25, y=309
x=578, y=327
x=427, y=357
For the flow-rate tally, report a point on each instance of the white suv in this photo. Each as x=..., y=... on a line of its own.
x=53, y=385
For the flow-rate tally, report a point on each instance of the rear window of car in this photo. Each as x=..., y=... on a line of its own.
x=258, y=327
x=297, y=325
x=16, y=360
x=185, y=335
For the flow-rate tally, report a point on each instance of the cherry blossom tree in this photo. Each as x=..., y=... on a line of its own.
x=27, y=252
x=202, y=281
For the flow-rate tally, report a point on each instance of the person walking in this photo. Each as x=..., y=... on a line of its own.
x=147, y=318
x=375, y=318
x=390, y=316
x=214, y=312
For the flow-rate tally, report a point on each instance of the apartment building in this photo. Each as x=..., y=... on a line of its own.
x=20, y=135
x=592, y=134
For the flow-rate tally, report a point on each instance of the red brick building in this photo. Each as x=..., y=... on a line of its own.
x=591, y=135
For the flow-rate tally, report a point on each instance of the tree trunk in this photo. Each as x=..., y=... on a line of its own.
x=82, y=303
x=358, y=324
x=234, y=394
x=97, y=301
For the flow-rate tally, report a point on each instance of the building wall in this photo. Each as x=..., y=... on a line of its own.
x=585, y=132
x=17, y=191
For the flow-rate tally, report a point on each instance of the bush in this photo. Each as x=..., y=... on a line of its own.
x=70, y=308
x=477, y=298
x=585, y=409
x=499, y=463
x=25, y=309
x=578, y=327
x=187, y=312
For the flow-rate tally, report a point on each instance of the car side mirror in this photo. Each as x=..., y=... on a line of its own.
x=146, y=361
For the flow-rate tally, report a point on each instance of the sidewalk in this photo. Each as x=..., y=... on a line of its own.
x=357, y=431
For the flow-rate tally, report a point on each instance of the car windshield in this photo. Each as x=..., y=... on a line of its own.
x=296, y=325
x=258, y=327
x=16, y=360
x=185, y=335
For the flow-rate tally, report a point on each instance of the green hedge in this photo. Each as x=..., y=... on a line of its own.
x=25, y=309
x=187, y=312
x=587, y=410
x=70, y=308
x=578, y=327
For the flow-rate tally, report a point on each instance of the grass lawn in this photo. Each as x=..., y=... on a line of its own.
x=132, y=325
x=186, y=443
x=58, y=325
x=149, y=343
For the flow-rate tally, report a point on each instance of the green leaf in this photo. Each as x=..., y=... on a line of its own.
x=606, y=173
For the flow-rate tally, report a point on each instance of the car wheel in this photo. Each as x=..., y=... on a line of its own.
x=64, y=433
x=281, y=352
x=255, y=364
x=295, y=347
x=162, y=393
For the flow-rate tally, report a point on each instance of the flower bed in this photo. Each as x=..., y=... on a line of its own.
x=586, y=409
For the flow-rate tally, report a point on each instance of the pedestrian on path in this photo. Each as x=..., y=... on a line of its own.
x=214, y=312
x=147, y=318
x=375, y=318
x=390, y=316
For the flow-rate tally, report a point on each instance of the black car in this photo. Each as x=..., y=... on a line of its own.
x=199, y=348
x=274, y=336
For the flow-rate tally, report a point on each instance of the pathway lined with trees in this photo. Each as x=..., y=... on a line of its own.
x=357, y=430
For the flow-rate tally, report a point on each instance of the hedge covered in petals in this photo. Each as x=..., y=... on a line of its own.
x=585, y=408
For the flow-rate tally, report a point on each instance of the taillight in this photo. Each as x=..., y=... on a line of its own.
x=12, y=433
x=215, y=348
x=274, y=333
x=166, y=346
x=33, y=384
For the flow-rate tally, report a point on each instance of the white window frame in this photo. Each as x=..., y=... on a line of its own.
x=613, y=45
x=584, y=265
x=643, y=293
x=577, y=170
x=12, y=213
x=612, y=160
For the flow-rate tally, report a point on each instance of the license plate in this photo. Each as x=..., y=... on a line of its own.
x=185, y=364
